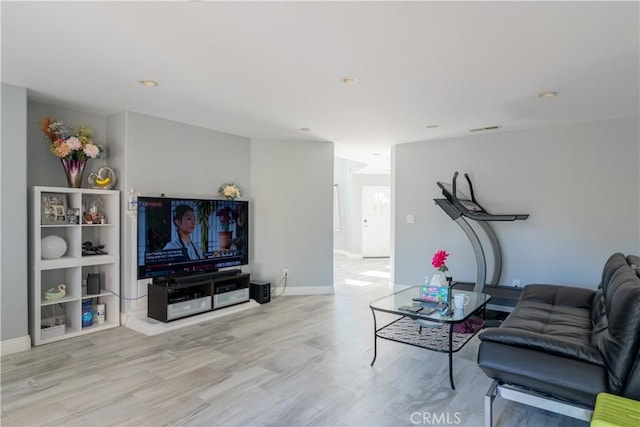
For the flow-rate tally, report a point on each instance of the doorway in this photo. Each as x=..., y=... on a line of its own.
x=376, y=221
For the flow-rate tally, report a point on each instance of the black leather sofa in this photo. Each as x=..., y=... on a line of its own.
x=563, y=345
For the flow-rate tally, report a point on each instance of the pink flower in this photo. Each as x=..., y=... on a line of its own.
x=439, y=259
x=74, y=143
x=91, y=151
x=60, y=148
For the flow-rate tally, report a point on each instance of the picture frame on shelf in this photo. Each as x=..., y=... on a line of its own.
x=73, y=216
x=53, y=209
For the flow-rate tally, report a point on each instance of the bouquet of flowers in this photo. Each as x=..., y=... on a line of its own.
x=229, y=190
x=438, y=261
x=79, y=146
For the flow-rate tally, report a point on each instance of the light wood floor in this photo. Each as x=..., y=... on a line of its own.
x=295, y=361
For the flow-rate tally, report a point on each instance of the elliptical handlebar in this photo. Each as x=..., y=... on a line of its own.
x=473, y=196
x=481, y=215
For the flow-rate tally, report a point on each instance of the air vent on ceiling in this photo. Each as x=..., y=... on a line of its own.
x=493, y=127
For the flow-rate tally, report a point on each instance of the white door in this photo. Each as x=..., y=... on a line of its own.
x=376, y=221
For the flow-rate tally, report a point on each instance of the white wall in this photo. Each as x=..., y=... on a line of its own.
x=580, y=184
x=13, y=220
x=292, y=189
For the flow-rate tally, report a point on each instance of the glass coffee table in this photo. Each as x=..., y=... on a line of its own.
x=431, y=327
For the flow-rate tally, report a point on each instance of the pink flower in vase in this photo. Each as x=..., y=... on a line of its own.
x=439, y=259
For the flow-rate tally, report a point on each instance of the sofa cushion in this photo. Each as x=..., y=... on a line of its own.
x=616, y=325
x=551, y=319
x=559, y=295
x=564, y=378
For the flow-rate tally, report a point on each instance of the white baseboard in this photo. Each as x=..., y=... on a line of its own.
x=15, y=345
x=305, y=290
x=148, y=326
x=347, y=254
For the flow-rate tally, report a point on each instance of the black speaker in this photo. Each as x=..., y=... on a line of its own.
x=93, y=283
x=260, y=291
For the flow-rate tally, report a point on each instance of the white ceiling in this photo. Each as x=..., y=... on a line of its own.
x=266, y=69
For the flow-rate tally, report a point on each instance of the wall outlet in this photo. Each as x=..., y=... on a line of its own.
x=285, y=272
x=515, y=282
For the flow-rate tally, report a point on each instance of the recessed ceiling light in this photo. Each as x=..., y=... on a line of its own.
x=148, y=83
x=376, y=154
x=305, y=129
x=548, y=94
x=349, y=80
x=432, y=126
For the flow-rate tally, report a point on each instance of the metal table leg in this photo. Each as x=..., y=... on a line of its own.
x=375, y=337
x=451, y=356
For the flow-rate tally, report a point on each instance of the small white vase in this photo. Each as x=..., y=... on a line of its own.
x=439, y=279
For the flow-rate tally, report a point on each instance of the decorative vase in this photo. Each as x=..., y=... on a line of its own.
x=95, y=212
x=73, y=169
x=439, y=279
x=225, y=239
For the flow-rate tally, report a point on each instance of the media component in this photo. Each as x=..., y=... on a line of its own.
x=179, y=237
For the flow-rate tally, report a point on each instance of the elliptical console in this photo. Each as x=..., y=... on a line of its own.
x=470, y=207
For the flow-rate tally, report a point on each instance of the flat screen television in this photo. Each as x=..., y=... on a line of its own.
x=181, y=236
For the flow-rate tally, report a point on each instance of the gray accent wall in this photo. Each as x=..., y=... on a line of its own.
x=159, y=156
x=292, y=189
x=13, y=214
x=580, y=183
x=43, y=167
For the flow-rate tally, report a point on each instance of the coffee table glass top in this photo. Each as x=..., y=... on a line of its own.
x=392, y=303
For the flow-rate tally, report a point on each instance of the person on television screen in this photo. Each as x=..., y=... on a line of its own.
x=185, y=221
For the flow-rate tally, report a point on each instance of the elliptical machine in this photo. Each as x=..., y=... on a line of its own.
x=458, y=206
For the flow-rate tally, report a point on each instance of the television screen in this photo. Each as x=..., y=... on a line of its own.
x=184, y=236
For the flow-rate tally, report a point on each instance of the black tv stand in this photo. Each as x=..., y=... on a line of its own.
x=200, y=277
x=175, y=298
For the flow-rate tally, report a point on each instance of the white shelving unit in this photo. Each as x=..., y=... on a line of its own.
x=72, y=268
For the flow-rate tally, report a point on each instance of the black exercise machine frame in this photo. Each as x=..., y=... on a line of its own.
x=458, y=209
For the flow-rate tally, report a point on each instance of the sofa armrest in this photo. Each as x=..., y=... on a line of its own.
x=559, y=295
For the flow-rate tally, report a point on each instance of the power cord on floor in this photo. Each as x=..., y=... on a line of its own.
x=273, y=291
x=125, y=298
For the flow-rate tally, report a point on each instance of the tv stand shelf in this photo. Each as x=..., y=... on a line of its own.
x=173, y=299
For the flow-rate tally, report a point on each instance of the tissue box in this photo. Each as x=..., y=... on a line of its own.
x=439, y=294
